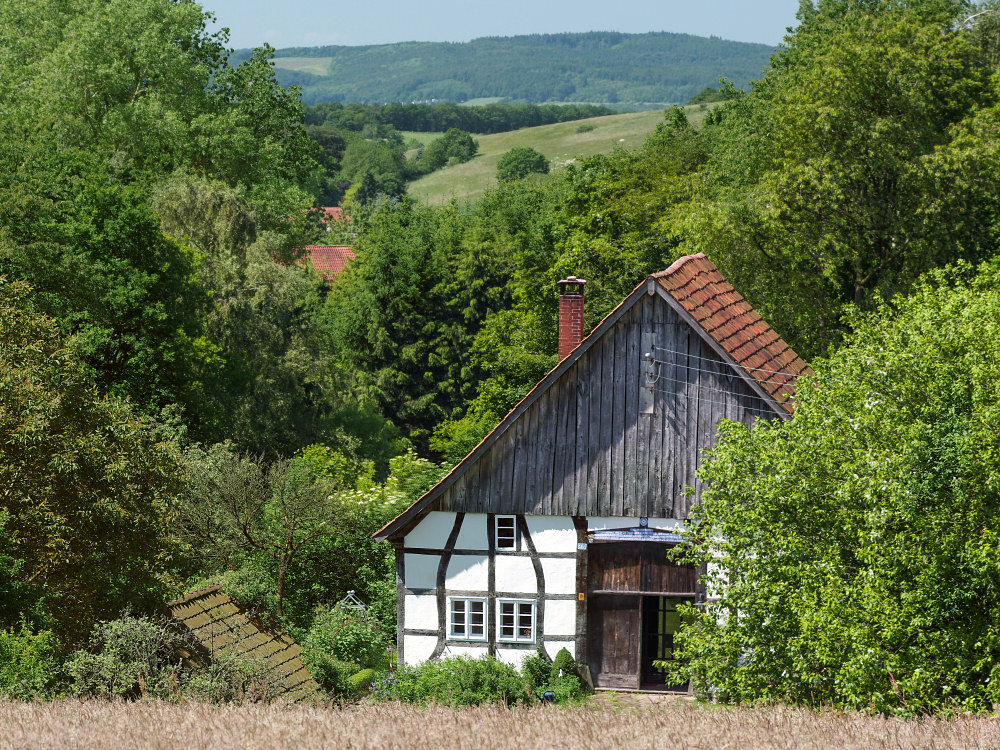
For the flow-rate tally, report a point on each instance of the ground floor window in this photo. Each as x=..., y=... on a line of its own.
x=517, y=620
x=467, y=620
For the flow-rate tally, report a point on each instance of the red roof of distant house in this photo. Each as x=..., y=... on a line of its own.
x=329, y=260
x=728, y=318
x=333, y=213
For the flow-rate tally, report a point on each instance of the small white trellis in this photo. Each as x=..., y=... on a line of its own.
x=352, y=602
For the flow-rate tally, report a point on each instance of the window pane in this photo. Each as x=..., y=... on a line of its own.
x=506, y=536
x=517, y=621
x=458, y=618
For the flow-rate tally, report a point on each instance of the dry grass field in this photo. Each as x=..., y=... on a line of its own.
x=601, y=724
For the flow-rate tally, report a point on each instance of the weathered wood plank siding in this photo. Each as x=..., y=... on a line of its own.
x=637, y=569
x=571, y=452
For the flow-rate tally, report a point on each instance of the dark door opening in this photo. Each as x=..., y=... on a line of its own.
x=660, y=623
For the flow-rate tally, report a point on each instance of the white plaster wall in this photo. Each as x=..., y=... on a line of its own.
x=560, y=617
x=468, y=573
x=715, y=591
x=474, y=651
x=420, y=571
x=560, y=575
x=552, y=648
x=421, y=612
x=514, y=575
x=472, y=535
x=552, y=533
x=619, y=522
x=513, y=656
x=432, y=531
x=418, y=648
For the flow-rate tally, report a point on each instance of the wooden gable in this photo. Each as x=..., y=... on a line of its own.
x=611, y=431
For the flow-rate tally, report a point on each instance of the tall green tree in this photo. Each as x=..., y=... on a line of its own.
x=853, y=550
x=601, y=219
x=84, y=484
x=395, y=316
x=819, y=188
x=519, y=162
x=93, y=250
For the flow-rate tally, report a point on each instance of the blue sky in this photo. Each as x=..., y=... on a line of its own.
x=308, y=23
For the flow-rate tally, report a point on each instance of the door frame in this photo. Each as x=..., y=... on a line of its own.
x=600, y=591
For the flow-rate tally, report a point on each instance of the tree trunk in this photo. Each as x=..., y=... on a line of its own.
x=282, y=574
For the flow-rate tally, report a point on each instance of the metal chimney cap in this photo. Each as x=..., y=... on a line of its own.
x=572, y=285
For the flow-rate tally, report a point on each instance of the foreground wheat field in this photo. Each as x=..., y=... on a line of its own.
x=600, y=724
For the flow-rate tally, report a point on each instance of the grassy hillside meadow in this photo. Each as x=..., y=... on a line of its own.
x=602, y=724
x=562, y=143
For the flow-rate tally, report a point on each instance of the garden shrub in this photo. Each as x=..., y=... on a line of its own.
x=340, y=644
x=569, y=687
x=29, y=663
x=333, y=675
x=139, y=657
x=537, y=671
x=230, y=679
x=563, y=665
x=454, y=681
x=362, y=681
x=129, y=658
x=560, y=675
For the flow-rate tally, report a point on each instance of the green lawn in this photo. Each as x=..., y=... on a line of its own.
x=562, y=143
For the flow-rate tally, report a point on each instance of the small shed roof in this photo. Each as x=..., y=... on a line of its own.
x=329, y=260
x=222, y=626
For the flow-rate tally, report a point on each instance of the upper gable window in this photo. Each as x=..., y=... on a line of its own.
x=506, y=532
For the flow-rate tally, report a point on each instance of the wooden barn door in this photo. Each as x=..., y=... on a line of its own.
x=614, y=634
x=628, y=583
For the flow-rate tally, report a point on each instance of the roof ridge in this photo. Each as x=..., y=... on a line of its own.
x=184, y=599
x=677, y=265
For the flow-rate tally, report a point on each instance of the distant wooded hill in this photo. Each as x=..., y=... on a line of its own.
x=598, y=67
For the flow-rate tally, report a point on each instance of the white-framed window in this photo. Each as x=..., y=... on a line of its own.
x=516, y=620
x=506, y=532
x=467, y=619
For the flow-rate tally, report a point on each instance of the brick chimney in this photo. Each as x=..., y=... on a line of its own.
x=570, y=315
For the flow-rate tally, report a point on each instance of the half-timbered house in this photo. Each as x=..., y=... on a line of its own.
x=553, y=531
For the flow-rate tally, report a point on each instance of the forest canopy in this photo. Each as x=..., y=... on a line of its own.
x=608, y=68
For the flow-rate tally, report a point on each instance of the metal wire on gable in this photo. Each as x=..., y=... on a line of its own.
x=655, y=375
x=651, y=356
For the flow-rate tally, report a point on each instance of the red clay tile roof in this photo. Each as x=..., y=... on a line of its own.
x=728, y=318
x=329, y=260
x=333, y=213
